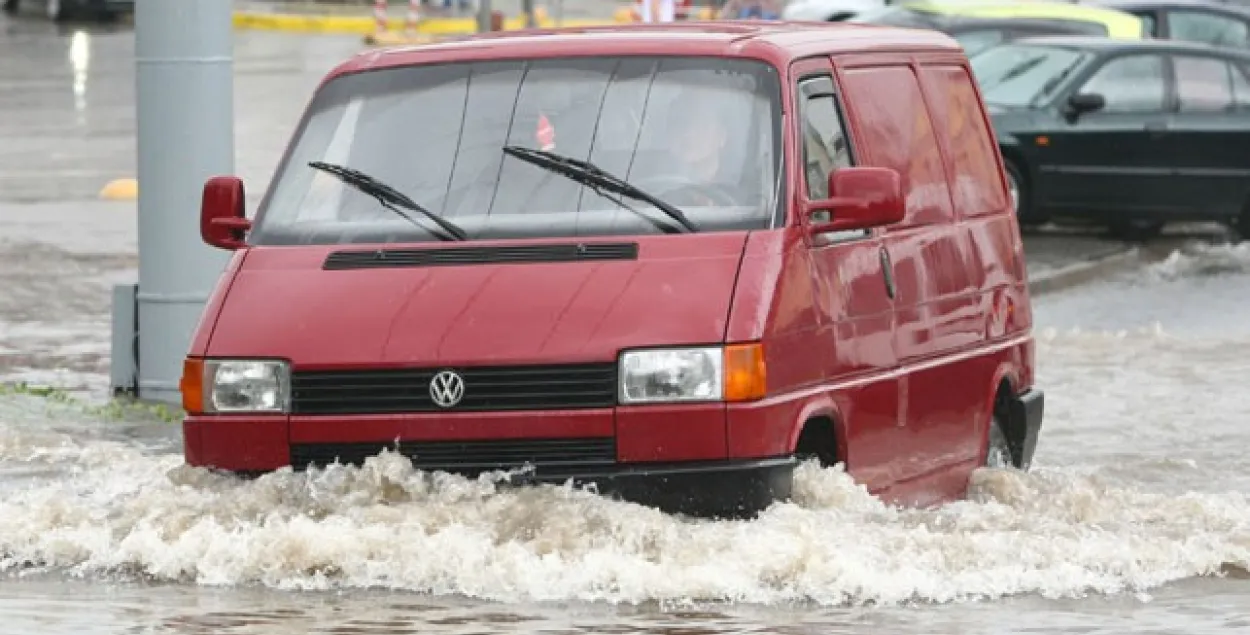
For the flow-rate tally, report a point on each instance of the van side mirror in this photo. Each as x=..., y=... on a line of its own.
x=859, y=198
x=223, y=213
x=1081, y=103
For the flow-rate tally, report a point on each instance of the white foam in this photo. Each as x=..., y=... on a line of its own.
x=386, y=525
x=1199, y=259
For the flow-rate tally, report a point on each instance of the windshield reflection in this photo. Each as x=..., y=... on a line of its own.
x=698, y=133
x=1019, y=75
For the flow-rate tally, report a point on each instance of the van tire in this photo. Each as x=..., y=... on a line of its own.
x=1021, y=205
x=818, y=440
x=9, y=6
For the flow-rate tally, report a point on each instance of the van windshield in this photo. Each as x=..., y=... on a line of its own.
x=1020, y=75
x=700, y=133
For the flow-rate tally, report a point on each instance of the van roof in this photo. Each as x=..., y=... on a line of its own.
x=778, y=42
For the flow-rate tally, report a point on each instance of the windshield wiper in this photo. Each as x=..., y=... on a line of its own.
x=389, y=197
x=597, y=179
x=1018, y=70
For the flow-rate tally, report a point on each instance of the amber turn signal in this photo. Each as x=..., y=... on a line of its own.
x=192, y=385
x=745, y=377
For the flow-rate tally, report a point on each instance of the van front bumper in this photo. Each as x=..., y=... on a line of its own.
x=677, y=476
x=716, y=489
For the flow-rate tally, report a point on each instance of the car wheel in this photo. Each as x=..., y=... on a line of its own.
x=1241, y=224
x=57, y=10
x=998, y=450
x=1137, y=230
x=1018, y=190
x=9, y=6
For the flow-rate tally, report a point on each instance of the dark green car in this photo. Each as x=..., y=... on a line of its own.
x=1131, y=134
x=64, y=10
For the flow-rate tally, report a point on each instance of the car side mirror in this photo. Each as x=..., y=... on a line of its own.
x=223, y=213
x=1081, y=103
x=859, y=198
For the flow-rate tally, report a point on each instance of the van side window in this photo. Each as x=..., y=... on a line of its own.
x=825, y=146
x=897, y=133
x=975, y=184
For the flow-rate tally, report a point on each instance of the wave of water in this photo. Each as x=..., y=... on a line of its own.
x=119, y=511
x=1202, y=259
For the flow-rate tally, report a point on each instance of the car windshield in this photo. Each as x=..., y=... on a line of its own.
x=699, y=133
x=1019, y=74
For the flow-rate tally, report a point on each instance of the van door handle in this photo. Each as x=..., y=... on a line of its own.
x=1156, y=128
x=887, y=271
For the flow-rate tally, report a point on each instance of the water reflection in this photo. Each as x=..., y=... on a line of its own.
x=80, y=64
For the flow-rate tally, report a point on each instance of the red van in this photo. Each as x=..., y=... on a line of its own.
x=694, y=255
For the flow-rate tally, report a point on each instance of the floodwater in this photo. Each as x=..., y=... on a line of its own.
x=1134, y=519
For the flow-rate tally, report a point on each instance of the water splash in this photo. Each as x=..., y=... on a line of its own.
x=1201, y=259
x=386, y=525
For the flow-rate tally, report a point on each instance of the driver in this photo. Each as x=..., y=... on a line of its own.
x=699, y=138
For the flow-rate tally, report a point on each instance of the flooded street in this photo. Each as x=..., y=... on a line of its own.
x=1135, y=518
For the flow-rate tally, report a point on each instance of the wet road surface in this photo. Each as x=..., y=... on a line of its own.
x=1134, y=520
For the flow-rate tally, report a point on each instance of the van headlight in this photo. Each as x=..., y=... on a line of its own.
x=710, y=373
x=227, y=385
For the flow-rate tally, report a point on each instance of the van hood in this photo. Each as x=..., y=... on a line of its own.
x=554, y=301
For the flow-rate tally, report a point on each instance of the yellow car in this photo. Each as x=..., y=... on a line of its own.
x=1118, y=24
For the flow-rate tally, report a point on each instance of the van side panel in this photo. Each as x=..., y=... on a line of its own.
x=984, y=208
x=981, y=198
x=936, y=298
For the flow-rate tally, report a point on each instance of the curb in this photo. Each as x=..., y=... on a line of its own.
x=365, y=25
x=1076, y=274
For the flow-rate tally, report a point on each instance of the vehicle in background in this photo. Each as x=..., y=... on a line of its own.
x=564, y=268
x=828, y=10
x=1130, y=134
x=1113, y=23
x=1215, y=23
x=65, y=10
x=976, y=34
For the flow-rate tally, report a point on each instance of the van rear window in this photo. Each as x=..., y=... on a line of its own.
x=700, y=133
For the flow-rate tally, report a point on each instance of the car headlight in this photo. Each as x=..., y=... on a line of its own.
x=228, y=385
x=710, y=373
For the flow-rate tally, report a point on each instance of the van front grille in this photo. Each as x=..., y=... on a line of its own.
x=549, y=457
x=391, y=391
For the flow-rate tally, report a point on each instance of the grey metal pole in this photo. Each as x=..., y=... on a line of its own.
x=483, y=16
x=185, y=121
x=527, y=7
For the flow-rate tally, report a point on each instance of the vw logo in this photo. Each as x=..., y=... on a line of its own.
x=446, y=389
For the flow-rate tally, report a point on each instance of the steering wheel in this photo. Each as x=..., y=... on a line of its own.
x=667, y=188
